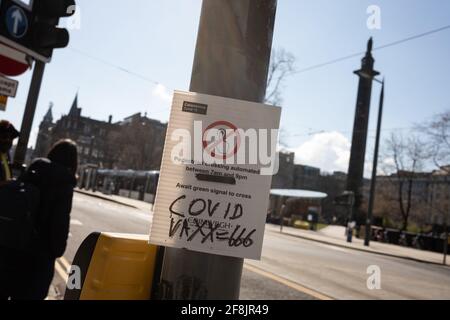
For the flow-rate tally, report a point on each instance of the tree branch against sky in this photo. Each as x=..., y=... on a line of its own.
x=405, y=157
x=438, y=133
x=282, y=65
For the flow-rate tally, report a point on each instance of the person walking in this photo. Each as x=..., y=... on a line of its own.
x=27, y=275
x=7, y=135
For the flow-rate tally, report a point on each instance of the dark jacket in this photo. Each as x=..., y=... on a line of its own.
x=28, y=275
x=55, y=184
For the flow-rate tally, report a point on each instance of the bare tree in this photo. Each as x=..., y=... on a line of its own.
x=137, y=146
x=406, y=157
x=282, y=65
x=438, y=133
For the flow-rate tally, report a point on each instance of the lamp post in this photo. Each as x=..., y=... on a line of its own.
x=231, y=60
x=373, y=182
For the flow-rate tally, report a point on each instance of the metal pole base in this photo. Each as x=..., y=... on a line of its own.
x=189, y=275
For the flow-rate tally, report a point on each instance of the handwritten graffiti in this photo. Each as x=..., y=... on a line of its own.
x=183, y=226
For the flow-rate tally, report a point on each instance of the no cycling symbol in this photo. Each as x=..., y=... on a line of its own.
x=226, y=141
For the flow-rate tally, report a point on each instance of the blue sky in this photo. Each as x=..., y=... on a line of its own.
x=156, y=40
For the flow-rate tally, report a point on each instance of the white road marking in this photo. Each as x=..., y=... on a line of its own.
x=60, y=270
x=64, y=263
x=75, y=222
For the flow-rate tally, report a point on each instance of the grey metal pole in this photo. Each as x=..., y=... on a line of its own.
x=231, y=60
x=373, y=183
x=28, y=116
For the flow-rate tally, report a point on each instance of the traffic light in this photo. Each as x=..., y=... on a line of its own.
x=46, y=35
x=31, y=26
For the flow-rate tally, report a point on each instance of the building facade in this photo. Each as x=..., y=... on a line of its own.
x=424, y=196
x=297, y=176
x=135, y=143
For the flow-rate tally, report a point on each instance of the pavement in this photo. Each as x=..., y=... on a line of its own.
x=295, y=264
x=141, y=205
x=335, y=235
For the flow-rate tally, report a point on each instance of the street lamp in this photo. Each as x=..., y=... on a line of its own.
x=373, y=182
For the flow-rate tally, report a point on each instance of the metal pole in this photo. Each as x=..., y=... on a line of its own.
x=373, y=183
x=445, y=243
x=231, y=60
x=446, y=238
x=28, y=116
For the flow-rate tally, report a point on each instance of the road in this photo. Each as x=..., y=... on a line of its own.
x=290, y=268
x=91, y=214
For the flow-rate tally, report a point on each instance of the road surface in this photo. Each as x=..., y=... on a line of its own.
x=291, y=268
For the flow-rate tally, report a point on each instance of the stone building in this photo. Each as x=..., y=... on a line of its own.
x=134, y=143
x=295, y=176
x=429, y=193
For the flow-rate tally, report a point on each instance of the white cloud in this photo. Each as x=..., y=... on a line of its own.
x=387, y=166
x=162, y=93
x=329, y=151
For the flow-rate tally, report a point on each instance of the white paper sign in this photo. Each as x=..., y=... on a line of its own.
x=8, y=87
x=216, y=173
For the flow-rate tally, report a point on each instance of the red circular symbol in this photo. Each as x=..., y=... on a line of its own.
x=10, y=67
x=222, y=147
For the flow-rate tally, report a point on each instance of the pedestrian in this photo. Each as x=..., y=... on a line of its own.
x=7, y=135
x=27, y=275
x=283, y=212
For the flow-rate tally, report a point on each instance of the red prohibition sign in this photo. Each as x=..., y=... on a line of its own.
x=210, y=147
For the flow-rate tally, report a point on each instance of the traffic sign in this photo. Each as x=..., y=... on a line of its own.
x=3, y=102
x=213, y=190
x=16, y=22
x=12, y=62
x=31, y=26
x=8, y=87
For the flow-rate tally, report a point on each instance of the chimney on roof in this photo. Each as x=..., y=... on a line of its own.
x=110, y=119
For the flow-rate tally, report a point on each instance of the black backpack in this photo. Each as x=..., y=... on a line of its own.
x=19, y=207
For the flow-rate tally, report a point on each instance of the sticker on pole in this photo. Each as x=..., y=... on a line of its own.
x=218, y=162
x=3, y=102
